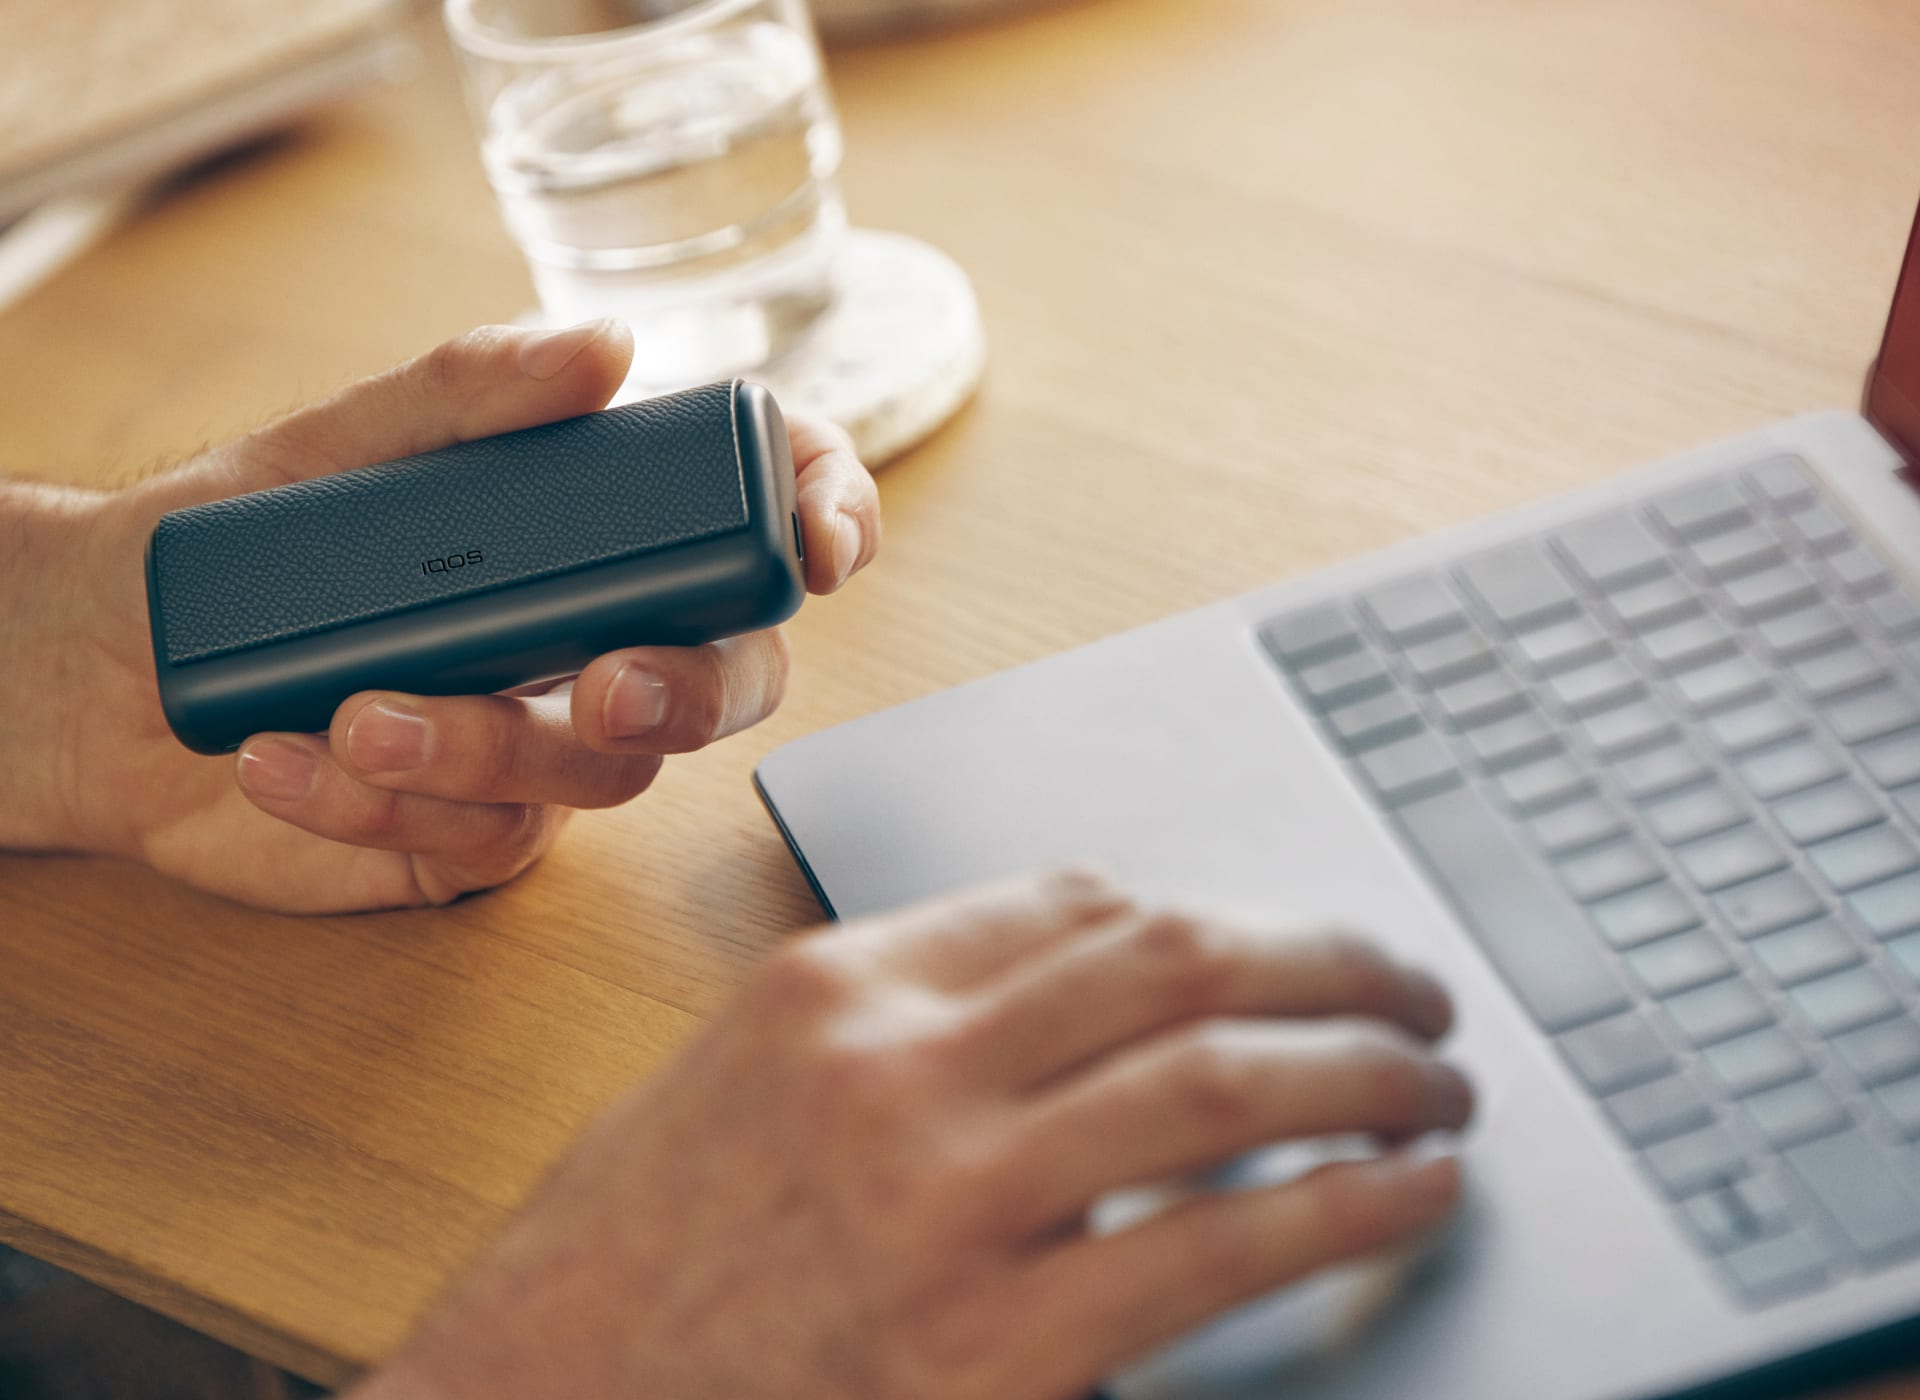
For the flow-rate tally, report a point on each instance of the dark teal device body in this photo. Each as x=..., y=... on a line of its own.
x=477, y=567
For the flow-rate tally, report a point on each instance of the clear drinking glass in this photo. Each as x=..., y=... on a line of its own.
x=672, y=164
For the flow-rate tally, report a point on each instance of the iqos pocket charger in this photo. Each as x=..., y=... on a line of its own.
x=477, y=567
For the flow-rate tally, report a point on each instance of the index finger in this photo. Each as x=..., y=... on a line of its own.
x=957, y=941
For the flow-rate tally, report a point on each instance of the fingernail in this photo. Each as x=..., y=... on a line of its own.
x=636, y=702
x=277, y=769
x=545, y=355
x=387, y=737
x=846, y=546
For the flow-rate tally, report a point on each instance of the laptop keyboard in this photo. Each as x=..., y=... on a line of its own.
x=1664, y=762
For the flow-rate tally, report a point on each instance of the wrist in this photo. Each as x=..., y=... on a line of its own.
x=47, y=635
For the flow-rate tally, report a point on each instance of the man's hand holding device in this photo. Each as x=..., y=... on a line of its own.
x=406, y=799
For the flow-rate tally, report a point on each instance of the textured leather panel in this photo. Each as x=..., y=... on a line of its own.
x=339, y=549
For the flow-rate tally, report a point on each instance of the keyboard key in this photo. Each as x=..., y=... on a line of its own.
x=1852, y=1182
x=1608, y=870
x=1313, y=634
x=1765, y=592
x=1575, y=826
x=1755, y=1061
x=1772, y=1269
x=1901, y=1103
x=1906, y=955
x=1771, y=902
x=1594, y=687
x=1644, y=776
x=1408, y=768
x=1888, y=908
x=1616, y=1053
x=1802, y=633
x=1373, y=722
x=1907, y=799
x=1341, y=681
x=1896, y=614
x=1735, y=552
x=1712, y=1013
x=1694, y=1161
x=1830, y=673
x=1518, y=585
x=1450, y=658
x=1676, y=964
x=1859, y=572
x=1844, y=1000
x=1612, y=550
x=1642, y=915
x=1691, y=641
x=1868, y=714
x=1782, y=483
x=1893, y=761
x=1796, y=1112
x=1563, y=645
x=1414, y=609
x=1729, y=858
x=1520, y=739
x=1701, y=509
x=1479, y=700
x=1721, y=683
x=1655, y=602
x=1521, y=920
x=1805, y=951
x=1698, y=811
x=1631, y=726
x=1650, y=1112
x=1863, y=858
x=1821, y=528
x=1760, y=1199
x=1785, y=768
x=1825, y=811
x=1882, y=1052
x=1715, y=1219
x=1750, y=726
x=1544, y=783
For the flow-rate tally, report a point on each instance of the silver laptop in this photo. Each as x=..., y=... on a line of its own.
x=1637, y=770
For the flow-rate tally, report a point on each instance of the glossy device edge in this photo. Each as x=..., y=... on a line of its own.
x=679, y=595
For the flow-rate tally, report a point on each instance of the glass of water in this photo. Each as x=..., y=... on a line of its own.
x=672, y=164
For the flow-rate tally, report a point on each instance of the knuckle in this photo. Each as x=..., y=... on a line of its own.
x=807, y=978
x=381, y=820
x=703, y=705
x=523, y=835
x=1189, y=957
x=1215, y=1082
x=1082, y=890
x=1361, y=971
x=446, y=368
x=635, y=777
x=1393, y=1079
x=488, y=753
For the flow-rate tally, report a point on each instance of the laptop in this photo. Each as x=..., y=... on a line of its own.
x=1637, y=771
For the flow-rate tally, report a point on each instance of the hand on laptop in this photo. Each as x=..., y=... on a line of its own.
x=869, y=1176
x=405, y=800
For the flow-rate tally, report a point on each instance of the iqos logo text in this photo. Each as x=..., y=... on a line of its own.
x=450, y=563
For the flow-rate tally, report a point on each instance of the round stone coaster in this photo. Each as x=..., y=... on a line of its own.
x=895, y=356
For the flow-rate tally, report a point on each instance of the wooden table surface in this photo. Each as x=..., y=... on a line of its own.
x=1267, y=282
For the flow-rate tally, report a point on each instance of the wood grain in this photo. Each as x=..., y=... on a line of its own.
x=1267, y=282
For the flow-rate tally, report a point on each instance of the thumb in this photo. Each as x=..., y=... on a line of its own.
x=493, y=379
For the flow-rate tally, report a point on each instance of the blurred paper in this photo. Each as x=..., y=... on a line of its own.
x=100, y=92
